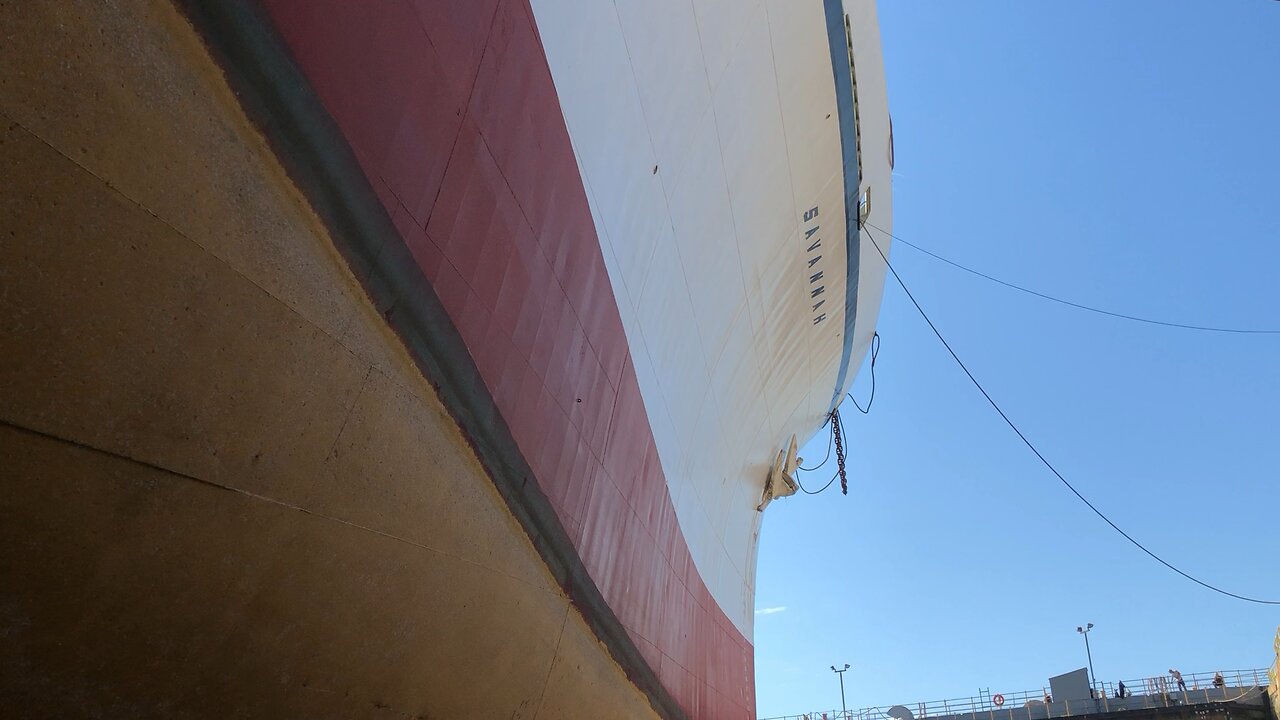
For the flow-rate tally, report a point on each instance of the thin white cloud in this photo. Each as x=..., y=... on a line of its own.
x=771, y=610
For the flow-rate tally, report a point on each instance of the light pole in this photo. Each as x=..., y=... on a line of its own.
x=1093, y=679
x=844, y=710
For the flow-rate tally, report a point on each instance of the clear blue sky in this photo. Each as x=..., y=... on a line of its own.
x=1125, y=154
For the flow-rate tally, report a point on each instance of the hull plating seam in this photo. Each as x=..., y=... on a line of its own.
x=276, y=94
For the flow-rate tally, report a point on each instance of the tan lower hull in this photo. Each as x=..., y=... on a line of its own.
x=226, y=490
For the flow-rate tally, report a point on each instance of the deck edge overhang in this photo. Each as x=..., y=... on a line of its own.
x=838, y=41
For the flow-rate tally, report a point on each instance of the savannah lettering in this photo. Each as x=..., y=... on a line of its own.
x=816, y=286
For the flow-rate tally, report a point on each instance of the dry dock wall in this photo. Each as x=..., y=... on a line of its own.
x=225, y=489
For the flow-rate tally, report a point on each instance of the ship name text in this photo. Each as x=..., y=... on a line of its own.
x=817, y=284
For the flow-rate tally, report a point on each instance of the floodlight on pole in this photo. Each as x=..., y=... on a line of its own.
x=1093, y=679
x=844, y=709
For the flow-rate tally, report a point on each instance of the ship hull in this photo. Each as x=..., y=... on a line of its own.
x=417, y=401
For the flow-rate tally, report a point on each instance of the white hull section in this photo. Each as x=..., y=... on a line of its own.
x=728, y=261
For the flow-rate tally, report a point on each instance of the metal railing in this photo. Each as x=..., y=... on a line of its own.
x=1142, y=693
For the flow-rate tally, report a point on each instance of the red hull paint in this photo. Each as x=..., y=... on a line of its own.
x=451, y=109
